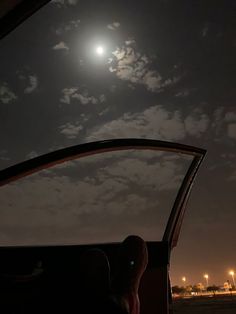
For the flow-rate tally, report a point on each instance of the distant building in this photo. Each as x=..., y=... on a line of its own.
x=200, y=286
x=227, y=286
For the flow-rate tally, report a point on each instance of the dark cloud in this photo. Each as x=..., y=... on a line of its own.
x=66, y=27
x=33, y=84
x=6, y=94
x=232, y=130
x=61, y=3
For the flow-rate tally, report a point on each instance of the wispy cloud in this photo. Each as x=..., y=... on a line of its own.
x=224, y=123
x=134, y=67
x=61, y=46
x=33, y=84
x=183, y=93
x=66, y=27
x=231, y=130
x=61, y=3
x=32, y=154
x=3, y=155
x=232, y=177
x=230, y=116
x=70, y=130
x=154, y=122
x=130, y=41
x=84, y=98
x=113, y=26
x=230, y=119
x=196, y=124
x=6, y=94
x=67, y=94
x=205, y=31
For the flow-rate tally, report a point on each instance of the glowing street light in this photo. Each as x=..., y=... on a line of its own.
x=184, y=279
x=231, y=273
x=206, y=276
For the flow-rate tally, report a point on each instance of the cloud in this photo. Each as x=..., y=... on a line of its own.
x=61, y=46
x=84, y=100
x=232, y=177
x=231, y=130
x=71, y=131
x=218, y=121
x=104, y=112
x=223, y=124
x=33, y=84
x=230, y=120
x=66, y=27
x=102, y=98
x=52, y=205
x=134, y=67
x=32, y=154
x=183, y=93
x=205, y=31
x=155, y=122
x=130, y=41
x=196, y=124
x=152, y=80
x=61, y=3
x=230, y=116
x=113, y=26
x=71, y=93
x=6, y=94
x=169, y=173
x=67, y=93
x=3, y=155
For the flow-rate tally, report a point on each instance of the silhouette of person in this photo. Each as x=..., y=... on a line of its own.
x=94, y=279
x=95, y=272
x=132, y=262
x=95, y=285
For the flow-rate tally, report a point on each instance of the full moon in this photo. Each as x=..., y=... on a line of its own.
x=100, y=50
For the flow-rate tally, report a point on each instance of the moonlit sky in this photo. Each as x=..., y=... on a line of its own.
x=80, y=71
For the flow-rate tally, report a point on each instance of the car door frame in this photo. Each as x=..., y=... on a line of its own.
x=159, y=273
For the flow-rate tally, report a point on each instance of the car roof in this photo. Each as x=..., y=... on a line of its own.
x=14, y=12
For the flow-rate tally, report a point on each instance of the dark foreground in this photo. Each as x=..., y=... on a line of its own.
x=224, y=304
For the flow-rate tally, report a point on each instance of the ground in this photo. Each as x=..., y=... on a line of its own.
x=206, y=305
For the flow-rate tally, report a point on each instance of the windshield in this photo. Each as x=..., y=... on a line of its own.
x=95, y=199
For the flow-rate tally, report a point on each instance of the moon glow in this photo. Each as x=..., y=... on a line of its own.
x=100, y=50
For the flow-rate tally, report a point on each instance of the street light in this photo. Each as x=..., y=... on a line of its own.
x=184, y=279
x=232, y=274
x=206, y=277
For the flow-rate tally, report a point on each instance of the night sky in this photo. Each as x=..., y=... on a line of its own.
x=79, y=71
